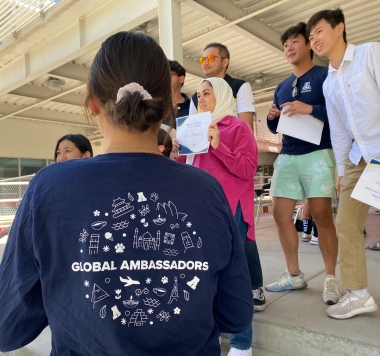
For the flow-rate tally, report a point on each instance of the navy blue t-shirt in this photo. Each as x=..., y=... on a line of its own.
x=118, y=262
x=310, y=89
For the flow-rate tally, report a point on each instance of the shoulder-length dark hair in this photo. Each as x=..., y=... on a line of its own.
x=81, y=143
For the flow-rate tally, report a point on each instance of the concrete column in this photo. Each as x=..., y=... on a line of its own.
x=170, y=29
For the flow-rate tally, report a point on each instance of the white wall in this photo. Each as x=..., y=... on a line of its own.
x=32, y=139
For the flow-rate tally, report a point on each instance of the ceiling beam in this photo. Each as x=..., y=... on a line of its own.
x=248, y=27
x=41, y=102
x=86, y=34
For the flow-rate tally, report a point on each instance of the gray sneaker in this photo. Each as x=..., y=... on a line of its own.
x=287, y=282
x=351, y=305
x=332, y=291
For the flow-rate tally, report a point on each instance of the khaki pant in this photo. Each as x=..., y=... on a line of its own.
x=350, y=222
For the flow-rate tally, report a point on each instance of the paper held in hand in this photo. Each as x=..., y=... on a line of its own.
x=303, y=127
x=192, y=133
x=367, y=189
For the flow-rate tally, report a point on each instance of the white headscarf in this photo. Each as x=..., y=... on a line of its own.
x=225, y=103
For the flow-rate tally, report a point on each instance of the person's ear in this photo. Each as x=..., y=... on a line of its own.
x=226, y=62
x=86, y=154
x=93, y=103
x=181, y=79
x=340, y=28
x=161, y=148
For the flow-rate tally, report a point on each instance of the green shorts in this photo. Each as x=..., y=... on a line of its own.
x=304, y=176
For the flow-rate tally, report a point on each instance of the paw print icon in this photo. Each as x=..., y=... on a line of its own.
x=119, y=248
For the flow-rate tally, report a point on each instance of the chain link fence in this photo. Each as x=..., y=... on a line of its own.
x=11, y=193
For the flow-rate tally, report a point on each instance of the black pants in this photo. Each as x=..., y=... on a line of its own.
x=254, y=264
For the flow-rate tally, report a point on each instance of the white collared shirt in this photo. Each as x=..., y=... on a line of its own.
x=352, y=94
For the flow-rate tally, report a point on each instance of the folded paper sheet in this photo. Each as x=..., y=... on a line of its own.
x=192, y=133
x=303, y=127
x=367, y=189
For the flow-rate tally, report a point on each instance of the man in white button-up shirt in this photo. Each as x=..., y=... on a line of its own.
x=352, y=92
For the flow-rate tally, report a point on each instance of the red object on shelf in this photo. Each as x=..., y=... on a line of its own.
x=265, y=209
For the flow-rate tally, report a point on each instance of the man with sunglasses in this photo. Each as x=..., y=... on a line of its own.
x=214, y=62
x=302, y=169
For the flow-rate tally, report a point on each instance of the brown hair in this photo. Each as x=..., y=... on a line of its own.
x=127, y=57
x=165, y=140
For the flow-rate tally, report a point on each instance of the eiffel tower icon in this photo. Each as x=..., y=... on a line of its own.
x=174, y=294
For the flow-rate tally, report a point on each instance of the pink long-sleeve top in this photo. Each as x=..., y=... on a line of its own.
x=233, y=163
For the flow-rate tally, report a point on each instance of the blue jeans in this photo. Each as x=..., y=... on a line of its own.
x=243, y=340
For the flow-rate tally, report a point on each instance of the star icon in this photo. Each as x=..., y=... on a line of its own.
x=96, y=213
x=177, y=310
x=148, y=280
x=189, y=224
x=86, y=283
x=133, y=216
x=123, y=321
x=106, y=248
x=150, y=311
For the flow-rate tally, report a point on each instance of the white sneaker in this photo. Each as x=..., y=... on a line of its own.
x=314, y=240
x=287, y=282
x=332, y=291
x=237, y=352
x=305, y=237
x=351, y=305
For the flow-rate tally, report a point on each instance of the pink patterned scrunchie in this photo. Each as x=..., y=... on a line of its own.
x=130, y=88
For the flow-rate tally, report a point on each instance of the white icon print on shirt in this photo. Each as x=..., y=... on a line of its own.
x=98, y=225
x=116, y=312
x=119, y=248
x=94, y=244
x=187, y=241
x=83, y=236
x=193, y=283
x=141, y=197
x=120, y=207
x=129, y=281
x=98, y=294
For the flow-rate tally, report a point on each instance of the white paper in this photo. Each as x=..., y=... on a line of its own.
x=367, y=189
x=303, y=127
x=192, y=133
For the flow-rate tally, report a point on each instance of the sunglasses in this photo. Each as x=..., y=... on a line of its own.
x=295, y=91
x=210, y=58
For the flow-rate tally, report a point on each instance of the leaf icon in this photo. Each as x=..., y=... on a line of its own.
x=102, y=312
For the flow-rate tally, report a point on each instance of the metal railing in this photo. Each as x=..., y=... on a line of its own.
x=11, y=192
x=16, y=14
x=262, y=133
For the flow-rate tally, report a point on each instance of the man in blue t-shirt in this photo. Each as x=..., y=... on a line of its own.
x=303, y=169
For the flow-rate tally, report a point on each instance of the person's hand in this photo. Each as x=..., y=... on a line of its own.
x=273, y=112
x=338, y=186
x=175, y=148
x=296, y=107
x=213, y=136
